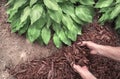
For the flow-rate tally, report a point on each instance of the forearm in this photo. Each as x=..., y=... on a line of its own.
x=111, y=52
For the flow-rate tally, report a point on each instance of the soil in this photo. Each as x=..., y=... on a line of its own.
x=57, y=66
x=24, y=60
x=15, y=49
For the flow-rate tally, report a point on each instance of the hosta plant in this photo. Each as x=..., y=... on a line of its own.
x=110, y=10
x=42, y=20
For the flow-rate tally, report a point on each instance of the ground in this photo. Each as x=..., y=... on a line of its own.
x=16, y=49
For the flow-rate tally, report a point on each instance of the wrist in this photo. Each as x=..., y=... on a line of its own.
x=101, y=49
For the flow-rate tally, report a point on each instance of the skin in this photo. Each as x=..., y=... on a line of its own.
x=107, y=51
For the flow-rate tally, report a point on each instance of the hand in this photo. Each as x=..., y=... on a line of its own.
x=84, y=72
x=92, y=46
x=103, y=50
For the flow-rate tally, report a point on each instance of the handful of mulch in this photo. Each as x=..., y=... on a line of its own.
x=58, y=66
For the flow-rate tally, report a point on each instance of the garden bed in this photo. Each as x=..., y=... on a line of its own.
x=58, y=66
x=55, y=66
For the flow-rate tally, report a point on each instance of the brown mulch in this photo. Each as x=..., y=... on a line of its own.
x=58, y=66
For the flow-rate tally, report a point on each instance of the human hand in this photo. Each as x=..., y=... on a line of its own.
x=103, y=50
x=84, y=72
x=92, y=46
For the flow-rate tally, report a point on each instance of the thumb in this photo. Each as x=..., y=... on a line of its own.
x=93, y=52
x=83, y=43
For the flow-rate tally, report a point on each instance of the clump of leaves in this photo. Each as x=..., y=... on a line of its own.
x=110, y=10
x=39, y=19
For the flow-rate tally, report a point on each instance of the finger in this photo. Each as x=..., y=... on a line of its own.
x=85, y=73
x=85, y=67
x=77, y=67
x=83, y=43
x=72, y=64
x=80, y=69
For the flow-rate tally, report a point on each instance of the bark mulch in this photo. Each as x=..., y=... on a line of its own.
x=58, y=66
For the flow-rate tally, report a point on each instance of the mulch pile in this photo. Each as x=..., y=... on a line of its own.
x=58, y=66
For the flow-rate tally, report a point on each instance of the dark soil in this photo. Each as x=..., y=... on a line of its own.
x=58, y=66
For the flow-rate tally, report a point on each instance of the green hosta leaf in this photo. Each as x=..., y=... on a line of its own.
x=16, y=25
x=68, y=8
x=25, y=14
x=57, y=41
x=55, y=15
x=33, y=33
x=103, y=3
x=71, y=35
x=78, y=29
x=18, y=4
x=51, y=4
x=49, y=22
x=14, y=9
x=87, y=2
x=40, y=40
x=64, y=38
x=77, y=20
x=32, y=2
x=117, y=1
x=23, y=29
x=117, y=23
x=56, y=27
x=15, y=17
x=67, y=21
x=61, y=0
x=11, y=12
x=115, y=11
x=46, y=35
x=10, y=2
x=85, y=13
x=105, y=16
x=40, y=23
x=74, y=1
x=36, y=13
x=104, y=9
x=38, y=18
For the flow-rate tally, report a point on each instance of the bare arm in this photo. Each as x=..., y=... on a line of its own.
x=107, y=51
x=110, y=52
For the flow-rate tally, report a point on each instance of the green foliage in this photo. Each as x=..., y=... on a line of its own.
x=82, y=11
x=39, y=19
x=103, y=3
x=110, y=10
